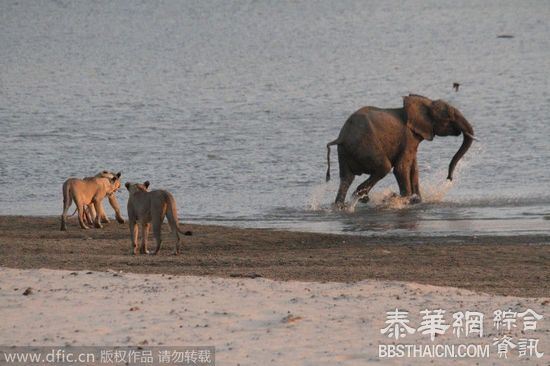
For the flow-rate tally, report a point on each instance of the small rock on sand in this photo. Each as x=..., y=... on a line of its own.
x=291, y=319
x=245, y=275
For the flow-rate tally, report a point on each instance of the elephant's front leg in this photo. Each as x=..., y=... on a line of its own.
x=415, y=186
x=402, y=172
x=379, y=171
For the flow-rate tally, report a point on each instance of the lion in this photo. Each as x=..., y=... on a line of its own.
x=85, y=192
x=145, y=207
x=90, y=211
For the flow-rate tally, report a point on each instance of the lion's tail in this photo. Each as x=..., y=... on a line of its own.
x=172, y=216
x=67, y=199
x=67, y=202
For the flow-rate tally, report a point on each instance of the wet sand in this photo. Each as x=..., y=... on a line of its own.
x=503, y=265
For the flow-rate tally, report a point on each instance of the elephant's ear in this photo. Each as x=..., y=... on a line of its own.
x=419, y=119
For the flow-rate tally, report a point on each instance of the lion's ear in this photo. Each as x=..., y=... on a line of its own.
x=127, y=185
x=146, y=184
x=118, y=174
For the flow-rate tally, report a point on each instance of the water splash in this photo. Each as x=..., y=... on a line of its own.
x=350, y=207
x=387, y=198
x=318, y=196
x=435, y=192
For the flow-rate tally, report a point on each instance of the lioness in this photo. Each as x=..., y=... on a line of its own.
x=90, y=212
x=85, y=192
x=145, y=207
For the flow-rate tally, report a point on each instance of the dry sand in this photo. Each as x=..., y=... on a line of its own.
x=249, y=321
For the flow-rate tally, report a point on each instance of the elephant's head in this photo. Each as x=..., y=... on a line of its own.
x=428, y=118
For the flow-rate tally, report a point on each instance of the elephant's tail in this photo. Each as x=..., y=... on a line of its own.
x=335, y=142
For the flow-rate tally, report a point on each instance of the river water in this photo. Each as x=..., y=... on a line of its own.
x=229, y=105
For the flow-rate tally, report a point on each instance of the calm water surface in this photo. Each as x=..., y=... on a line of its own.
x=229, y=105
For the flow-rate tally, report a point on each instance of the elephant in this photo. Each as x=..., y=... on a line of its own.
x=374, y=140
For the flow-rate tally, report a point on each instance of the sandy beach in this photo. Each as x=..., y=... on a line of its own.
x=258, y=296
x=249, y=321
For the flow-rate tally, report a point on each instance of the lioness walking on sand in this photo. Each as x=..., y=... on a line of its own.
x=145, y=207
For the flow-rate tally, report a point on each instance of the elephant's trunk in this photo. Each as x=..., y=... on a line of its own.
x=468, y=133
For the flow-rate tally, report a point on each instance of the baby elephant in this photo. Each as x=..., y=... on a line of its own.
x=145, y=207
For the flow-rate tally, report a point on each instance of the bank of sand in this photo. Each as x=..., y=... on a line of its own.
x=503, y=265
x=321, y=299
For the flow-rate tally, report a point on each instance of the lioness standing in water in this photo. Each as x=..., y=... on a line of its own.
x=85, y=192
x=146, y=207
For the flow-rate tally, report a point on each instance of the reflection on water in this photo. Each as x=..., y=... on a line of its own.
x=439, y=218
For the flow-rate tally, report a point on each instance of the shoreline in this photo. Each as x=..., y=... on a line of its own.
x=502, y=265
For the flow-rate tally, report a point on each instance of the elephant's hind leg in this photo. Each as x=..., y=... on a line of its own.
x=362, y=191
x=345, y=182
x=346, y=177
